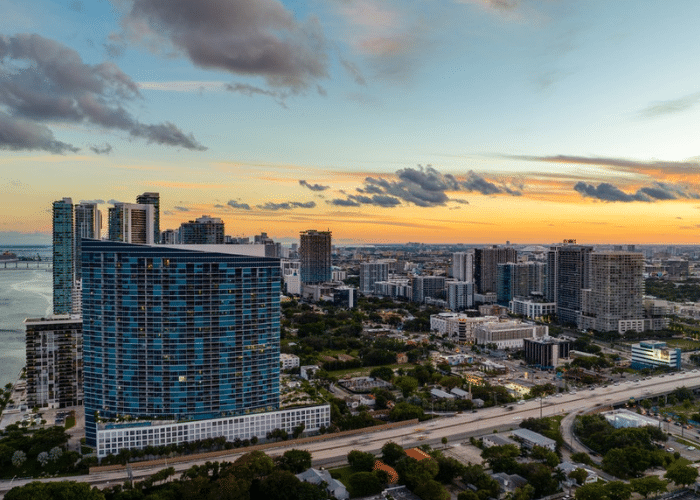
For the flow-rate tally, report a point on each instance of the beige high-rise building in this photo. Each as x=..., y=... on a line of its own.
x=616, y=291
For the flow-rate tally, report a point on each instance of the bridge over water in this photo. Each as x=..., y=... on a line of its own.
x=26, y=265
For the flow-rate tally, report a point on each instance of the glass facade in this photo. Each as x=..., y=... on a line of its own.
x=173, y=334
x=315, y=254
x=62, y=255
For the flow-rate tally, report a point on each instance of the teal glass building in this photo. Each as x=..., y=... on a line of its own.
x=177, y=335
x=63, y=255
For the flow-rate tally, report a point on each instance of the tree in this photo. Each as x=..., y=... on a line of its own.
x=43, y=458
x=407, y=384
x=617, y=490
x=432, y=490
x=413, y=473
x=391, y=453
x=579, y=475
x=18, y=458
x=444, y=442
x=361, y=461
x=581, y=457
x=364, y=484
x=382, y=372
x=467, y=495
x=592, y=491
x=448, y=469
x=295, y=461
x=682, y=475
x=60, y=489
x=525, y=492
x=502, y=458
x=405, y=411
x=648, y=485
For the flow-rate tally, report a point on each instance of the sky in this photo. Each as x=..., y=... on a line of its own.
x=385, y=121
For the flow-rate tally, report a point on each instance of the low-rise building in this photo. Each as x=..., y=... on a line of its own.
x=532, y=308
x=531, y=439
x=508, y=334
x=288, y=361
x=496, y=440
x=653, y=354
x=318, y=476
x=546, y=352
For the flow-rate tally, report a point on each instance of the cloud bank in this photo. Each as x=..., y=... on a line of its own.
x=43, y=81
x=659, y=191
x=259, y=38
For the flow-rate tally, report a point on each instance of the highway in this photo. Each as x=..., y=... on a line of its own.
x=455, y=428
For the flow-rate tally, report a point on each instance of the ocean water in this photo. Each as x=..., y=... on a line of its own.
x=23, y=294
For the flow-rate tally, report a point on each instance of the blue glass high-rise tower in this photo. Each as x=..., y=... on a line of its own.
x=63, y=255
x=176, y=335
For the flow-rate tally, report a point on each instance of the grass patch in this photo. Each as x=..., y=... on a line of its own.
x=684, y=344
x=342, y=474
x=70, y=421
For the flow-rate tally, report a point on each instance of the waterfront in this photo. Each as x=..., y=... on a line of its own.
x=23, y=294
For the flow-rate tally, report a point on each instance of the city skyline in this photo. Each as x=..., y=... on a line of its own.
x=465, y=121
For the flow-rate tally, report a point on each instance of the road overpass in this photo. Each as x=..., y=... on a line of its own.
x=455, y=428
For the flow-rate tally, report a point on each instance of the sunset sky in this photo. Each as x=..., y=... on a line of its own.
x=455, y=121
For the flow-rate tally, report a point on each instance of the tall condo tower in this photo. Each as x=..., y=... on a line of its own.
x=315, y=254
x=486, y=262
x=152, y=199
x=463, y=266
x=569, y=272
x=203, y=231
x=63, y=255
x=131, y=223
x=184, y=342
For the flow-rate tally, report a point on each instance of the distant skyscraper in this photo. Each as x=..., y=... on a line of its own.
x=370, y=273
x=569, y=272
x=131, y=223
x=519, y=279
x=315, y=255
x=460, y=295
x=152, y=199
x=616, y=290
x=184, y=341
x=427, y=286
x=203, y=231
x=463, y=266
x=486, y=262
x=63, y=255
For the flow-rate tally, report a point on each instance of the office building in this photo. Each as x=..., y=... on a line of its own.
x=203, y=231
x=154, y=200
x=184, y=344
x=132, y=223
x=370, y=273
x=63, y=256
x=507, y=334
x=519, y=279
x=315, y=256
x=457, y=327
x=616, y=292
x=569, y=272
x=653, y=354
x=486, y=262
x=54, y=349
x=546, y=352
x=460, y=295
x=463, y=266
x=424, y=287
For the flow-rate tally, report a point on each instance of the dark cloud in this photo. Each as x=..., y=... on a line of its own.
x=18, y=134
x=168, y=212
x=101, y=150
x=42, y=80
x=259, y=38
x=461, y=202
x=354, y=71
x=671, y=106
x=218, y=205
x=339, y=202
x=181, y=209
x=290, y=205
x=98, y=202
x=422, y=186
x=313, y=187
x=657, y=192
x=235, y=204
x=321, y=91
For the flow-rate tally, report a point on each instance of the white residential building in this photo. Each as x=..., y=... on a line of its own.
x=288, y=361
x=508, y=334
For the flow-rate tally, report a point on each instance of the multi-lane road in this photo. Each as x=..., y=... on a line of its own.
x=455, y=428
